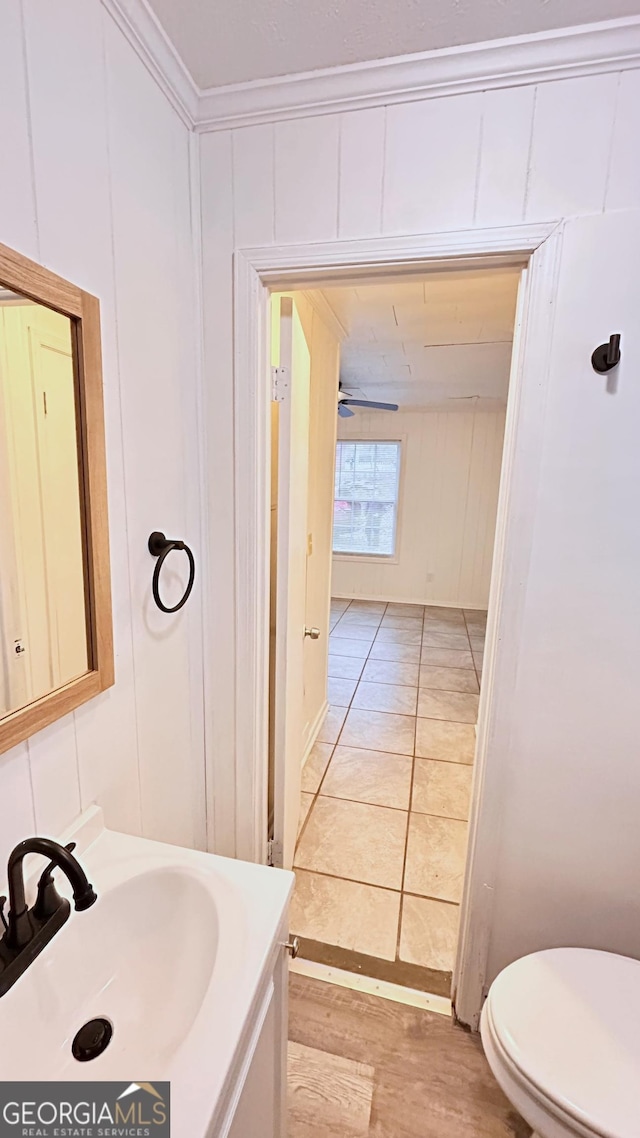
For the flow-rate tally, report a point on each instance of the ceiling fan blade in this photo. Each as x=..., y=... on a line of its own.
x=370, y=403
x=344, y=412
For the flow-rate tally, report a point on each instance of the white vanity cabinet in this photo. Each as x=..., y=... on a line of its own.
x=257, y=1104
x=196, y=991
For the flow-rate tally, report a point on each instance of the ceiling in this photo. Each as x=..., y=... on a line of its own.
x=430, y=340
x=223, y=43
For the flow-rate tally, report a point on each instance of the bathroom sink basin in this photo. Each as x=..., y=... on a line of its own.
x=170, y=955
x=142, y=958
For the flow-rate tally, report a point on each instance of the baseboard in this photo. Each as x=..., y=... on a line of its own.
x=314, y=731
x=413, y=601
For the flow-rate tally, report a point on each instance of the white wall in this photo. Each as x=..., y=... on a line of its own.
x=95, y=185
x=448, y=497
x=477, y=159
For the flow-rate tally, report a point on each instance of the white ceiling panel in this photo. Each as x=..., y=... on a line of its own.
x=445, y=338
x=223, y=43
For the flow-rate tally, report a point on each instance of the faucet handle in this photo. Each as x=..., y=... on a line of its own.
x=48, y=900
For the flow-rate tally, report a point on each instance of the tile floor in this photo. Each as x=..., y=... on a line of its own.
x=385, y=791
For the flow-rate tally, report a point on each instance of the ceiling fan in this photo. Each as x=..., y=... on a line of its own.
x=344, y=405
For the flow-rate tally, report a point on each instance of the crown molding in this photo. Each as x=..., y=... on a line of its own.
x=149, y=40
x=590, y=49
x=611, y=45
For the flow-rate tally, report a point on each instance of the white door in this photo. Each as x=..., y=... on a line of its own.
x=291, y=584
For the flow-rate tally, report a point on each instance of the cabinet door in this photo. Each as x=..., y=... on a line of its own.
x=257, y=1112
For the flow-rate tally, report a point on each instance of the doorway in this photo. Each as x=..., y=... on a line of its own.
x=412, y=486
x=257, y=273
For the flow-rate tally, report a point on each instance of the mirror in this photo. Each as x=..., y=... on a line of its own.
x=55, y=610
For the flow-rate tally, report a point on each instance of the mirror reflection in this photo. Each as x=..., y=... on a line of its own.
x=43, y=612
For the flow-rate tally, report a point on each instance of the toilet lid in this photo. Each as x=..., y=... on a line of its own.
x=569, y=1020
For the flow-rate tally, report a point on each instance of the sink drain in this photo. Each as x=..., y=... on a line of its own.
x=92, y=1039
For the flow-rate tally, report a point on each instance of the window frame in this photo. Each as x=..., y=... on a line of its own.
x=386, y=558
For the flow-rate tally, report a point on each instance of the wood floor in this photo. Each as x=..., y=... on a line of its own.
x=364, y=1067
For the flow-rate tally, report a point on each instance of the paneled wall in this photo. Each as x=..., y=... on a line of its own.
x=446, y=510
x=479, y=159
x=96, y=186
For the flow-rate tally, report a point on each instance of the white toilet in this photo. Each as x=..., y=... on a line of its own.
x=561, y=1032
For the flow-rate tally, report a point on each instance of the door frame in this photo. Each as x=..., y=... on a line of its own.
x=258, y=272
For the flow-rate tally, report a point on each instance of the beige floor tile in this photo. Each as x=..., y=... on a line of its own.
x=457, y=707
x=449, y=742
x=354, y=631
x=375, y=777
x=339, y=604
x=396, y=608
x=448, y=679
x=429, y=932
x=361, y=918
x=355, y=841
x=454, y=638
x=344, y=667
x=405, y=653
x=386, y=697
x=305, y=805
x=436, y=851
x=478, y=634
x=476, y=619
x=440, y=638
x=477, y=642
x=315, y=766
x=408, y=623
x=327, y=1094
x=379, y=731
x=340, y=692
x=361, y=617
x=398, y=636
x=332, y=725
x=368, y=606
x=391, y=672
x=447, y=657
x=443, y=789
x=342, y=646
x=442, y=612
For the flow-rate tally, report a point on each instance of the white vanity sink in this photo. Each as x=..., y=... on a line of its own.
x=183, y=954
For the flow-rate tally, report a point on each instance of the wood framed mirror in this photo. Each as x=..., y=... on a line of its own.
x=56, y=639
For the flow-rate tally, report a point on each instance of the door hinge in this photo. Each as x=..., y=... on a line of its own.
x=274, y=853
x=279, y=384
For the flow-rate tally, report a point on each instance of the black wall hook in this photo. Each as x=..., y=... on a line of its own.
x=607, y=356
x=160, y=546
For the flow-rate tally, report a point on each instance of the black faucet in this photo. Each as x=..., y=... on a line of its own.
x=27, y=931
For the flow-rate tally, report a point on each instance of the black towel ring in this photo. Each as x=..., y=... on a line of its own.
x=160, y=546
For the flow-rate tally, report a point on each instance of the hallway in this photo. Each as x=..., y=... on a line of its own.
x=385, y=793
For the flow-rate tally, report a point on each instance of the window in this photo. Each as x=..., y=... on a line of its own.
x=365, y=506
